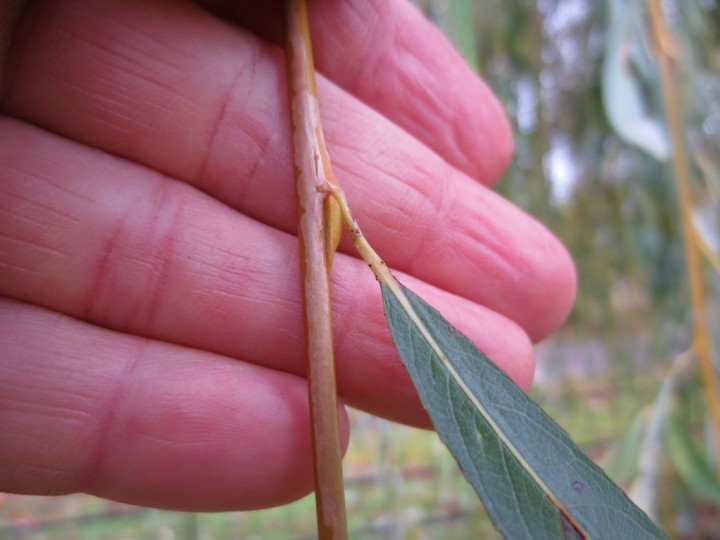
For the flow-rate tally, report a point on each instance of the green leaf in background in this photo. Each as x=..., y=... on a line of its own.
x=644, y=490
x=706, y=224
x=457, y=20
x=533, y=480
x=621, y=461
x=622, y=86
x=690, y=461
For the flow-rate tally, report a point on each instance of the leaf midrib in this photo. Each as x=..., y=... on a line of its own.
x=397, y=291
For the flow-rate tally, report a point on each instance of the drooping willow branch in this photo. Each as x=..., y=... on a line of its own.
x=693, y=244
x=318, y=231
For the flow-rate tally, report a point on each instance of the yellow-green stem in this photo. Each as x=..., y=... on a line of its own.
x=312, y=169
x=701, y=338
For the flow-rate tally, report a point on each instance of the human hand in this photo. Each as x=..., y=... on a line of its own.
x=151, y=328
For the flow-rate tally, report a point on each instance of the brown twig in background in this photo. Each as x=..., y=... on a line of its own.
x=701, y=339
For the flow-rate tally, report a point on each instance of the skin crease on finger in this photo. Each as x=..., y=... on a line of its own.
x=431, y=220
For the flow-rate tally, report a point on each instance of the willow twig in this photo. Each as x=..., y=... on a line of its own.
x=318, y=231
x=701, y=338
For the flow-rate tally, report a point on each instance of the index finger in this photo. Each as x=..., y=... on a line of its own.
x=387, y=54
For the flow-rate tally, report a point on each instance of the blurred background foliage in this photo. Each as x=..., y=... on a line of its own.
x=593, y=161
x=611, y=201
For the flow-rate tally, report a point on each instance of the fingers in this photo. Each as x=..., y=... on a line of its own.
x=398, y=62
x=100, y=238
x=387, y=54
x=188, y=96
x=126, y=418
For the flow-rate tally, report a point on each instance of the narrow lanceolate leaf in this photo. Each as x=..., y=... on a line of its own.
x=535, y=483
x=533, y=480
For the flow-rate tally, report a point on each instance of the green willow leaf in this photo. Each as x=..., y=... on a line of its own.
x=622, y=82
x=621, y=461
x=690, y=460
x=534, y=482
